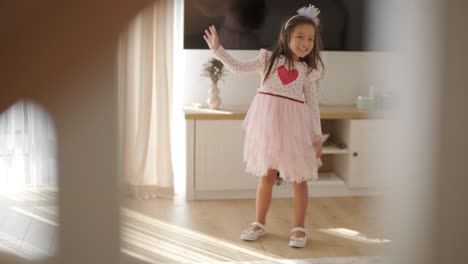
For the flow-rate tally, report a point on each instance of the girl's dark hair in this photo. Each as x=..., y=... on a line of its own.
x=313, y=59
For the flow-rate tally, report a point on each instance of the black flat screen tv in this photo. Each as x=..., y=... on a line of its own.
x=254, y=24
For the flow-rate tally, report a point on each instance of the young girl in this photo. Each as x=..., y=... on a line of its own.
x=283, y=132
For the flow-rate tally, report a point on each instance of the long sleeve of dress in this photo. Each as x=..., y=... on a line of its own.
x=311, y=99
x=237, y=66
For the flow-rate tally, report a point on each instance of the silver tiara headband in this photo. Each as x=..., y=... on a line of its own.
x=310, y=12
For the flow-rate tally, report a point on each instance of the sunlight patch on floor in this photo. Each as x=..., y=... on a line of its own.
x=353, y=235
x=35, y=216
x=180, y=244
x=29, y=194
x=172, y=245
x=28, y=251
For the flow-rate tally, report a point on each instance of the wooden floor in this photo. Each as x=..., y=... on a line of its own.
x=28, y=223
x=206, y=231
x=177, y=231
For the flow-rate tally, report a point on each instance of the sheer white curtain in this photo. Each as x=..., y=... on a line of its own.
x=27, y=147
x=145, y=97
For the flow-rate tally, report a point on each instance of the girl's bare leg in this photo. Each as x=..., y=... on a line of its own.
x=301, y=197
x=264, y=192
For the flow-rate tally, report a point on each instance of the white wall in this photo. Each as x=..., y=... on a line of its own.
x=348, y=74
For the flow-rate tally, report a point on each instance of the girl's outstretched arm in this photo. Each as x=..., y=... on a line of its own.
x=233, y=64
x=256, y=64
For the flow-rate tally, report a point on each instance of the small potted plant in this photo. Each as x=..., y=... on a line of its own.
x=214, y=69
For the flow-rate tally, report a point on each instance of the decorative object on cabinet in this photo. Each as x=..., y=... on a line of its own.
x=214, y=70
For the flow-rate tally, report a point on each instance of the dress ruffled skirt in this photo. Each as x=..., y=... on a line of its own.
x=279, y=135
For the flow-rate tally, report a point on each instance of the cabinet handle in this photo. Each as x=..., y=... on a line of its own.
x=355, y=154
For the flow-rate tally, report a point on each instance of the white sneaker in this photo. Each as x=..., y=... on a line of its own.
x=251, y=235
x=298, y=242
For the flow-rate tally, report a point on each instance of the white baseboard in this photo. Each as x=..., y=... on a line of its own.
x=328, y=185
x=285, y=191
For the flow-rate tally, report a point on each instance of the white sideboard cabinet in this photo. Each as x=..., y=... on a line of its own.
x=215, y=167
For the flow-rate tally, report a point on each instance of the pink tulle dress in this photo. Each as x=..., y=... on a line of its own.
x=283, y=120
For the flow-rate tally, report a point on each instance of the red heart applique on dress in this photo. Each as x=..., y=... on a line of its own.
x=287, y=76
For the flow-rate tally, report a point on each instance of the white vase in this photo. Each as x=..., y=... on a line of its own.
x=213, y=100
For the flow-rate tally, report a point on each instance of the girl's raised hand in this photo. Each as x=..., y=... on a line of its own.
x=211, y=38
